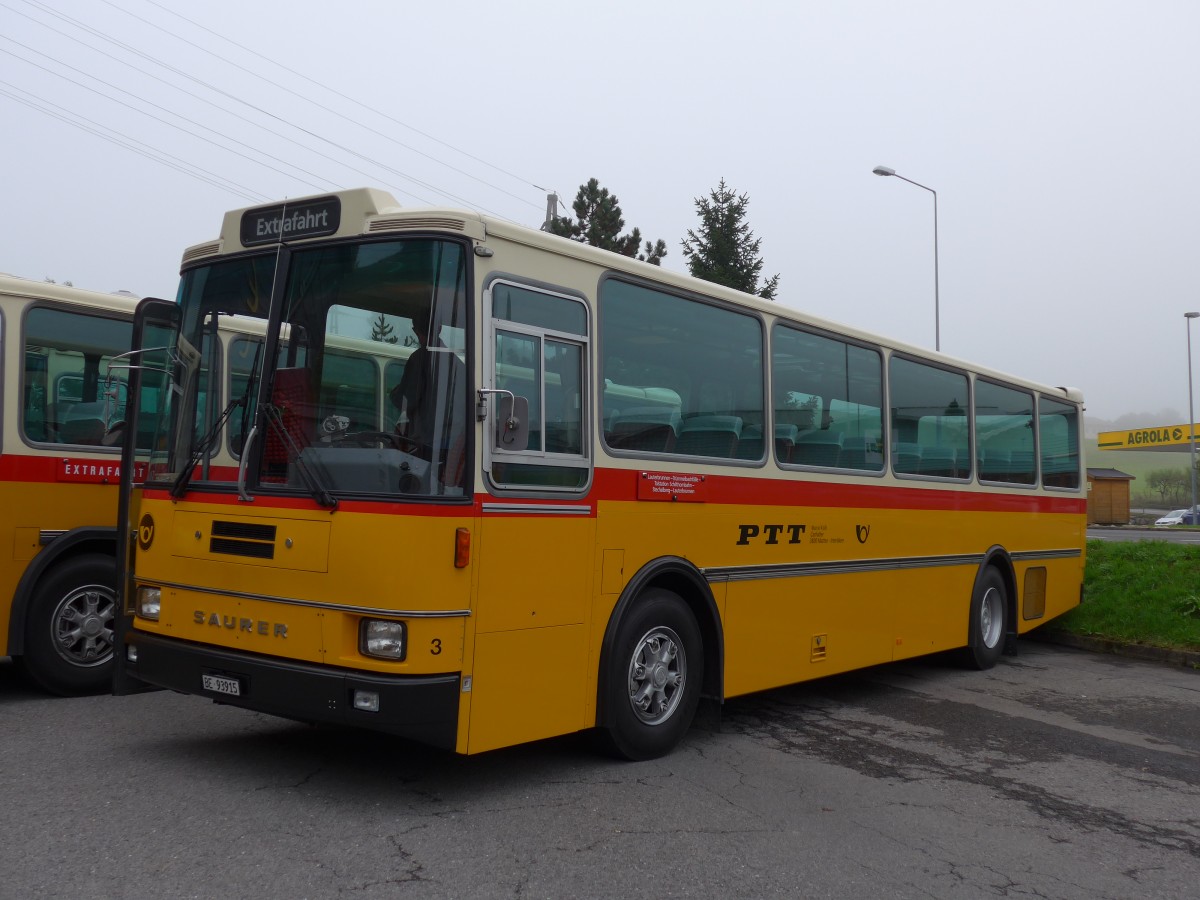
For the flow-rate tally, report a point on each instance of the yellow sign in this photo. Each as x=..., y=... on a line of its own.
x=1165, y=437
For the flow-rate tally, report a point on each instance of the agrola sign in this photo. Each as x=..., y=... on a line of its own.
x=1166, y=437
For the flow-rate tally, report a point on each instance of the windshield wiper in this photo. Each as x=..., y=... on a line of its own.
x=311, y=479
x=203, y=446
x=209, y=440
x=251, y=383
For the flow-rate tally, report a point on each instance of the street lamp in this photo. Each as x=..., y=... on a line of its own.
x=937, y=315
x=1191, y=414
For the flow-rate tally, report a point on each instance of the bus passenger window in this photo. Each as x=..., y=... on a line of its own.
x=681, y=377
x=69, y=396
x=517, y=370
x=930, y=430
x=34, y=395
x=1058, y=434
x=1004, y=434
x=828, y=401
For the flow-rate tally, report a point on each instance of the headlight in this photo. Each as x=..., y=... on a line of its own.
x=149, y=602
x=382, y=638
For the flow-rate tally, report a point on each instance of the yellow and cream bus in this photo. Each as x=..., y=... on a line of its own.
x=597, y=491
x=59, y=469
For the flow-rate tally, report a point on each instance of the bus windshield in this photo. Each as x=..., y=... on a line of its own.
x=351, y=381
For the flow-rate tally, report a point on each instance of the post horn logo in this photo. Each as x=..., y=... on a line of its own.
x=862, y=532
x=145, y=532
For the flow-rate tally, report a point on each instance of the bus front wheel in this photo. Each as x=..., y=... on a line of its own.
x=987, y=626
x=653, y=677
x=69, y=630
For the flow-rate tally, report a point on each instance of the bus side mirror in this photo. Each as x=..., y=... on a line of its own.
x=512, y=423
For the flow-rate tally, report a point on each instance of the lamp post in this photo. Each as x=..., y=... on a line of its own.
x=1191, y=414
x=937, y=314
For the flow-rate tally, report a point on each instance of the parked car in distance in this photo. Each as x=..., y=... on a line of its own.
x=1179, y=517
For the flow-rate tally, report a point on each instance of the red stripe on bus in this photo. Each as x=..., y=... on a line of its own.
x=15, y=467
x=622, y=484
x=49, y=468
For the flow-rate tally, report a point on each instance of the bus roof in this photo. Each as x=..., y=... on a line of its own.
x=360, y=211
x=16, y=286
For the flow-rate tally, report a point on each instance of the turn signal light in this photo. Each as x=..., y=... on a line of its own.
x=462, y=548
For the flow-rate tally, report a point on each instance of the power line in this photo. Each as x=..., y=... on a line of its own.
x=130, y=49
x=130, y=106
x=159, y=156
x=336, y=93
x=205, y=100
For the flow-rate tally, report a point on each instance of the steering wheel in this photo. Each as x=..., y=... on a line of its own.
x=389, y=439
x=364, y=438
x=407, y=444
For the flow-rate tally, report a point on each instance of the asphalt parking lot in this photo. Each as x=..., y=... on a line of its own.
x=1059, y=774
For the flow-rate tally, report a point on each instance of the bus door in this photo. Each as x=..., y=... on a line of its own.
x=538, y=524
x=161, y=366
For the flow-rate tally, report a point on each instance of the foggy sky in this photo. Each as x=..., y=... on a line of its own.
x=1060, y=138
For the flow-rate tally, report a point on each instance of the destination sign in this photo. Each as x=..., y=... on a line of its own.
x=289, y=221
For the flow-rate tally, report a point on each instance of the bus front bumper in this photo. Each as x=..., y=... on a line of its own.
x=421, y=708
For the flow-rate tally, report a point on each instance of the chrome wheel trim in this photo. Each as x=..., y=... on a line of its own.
x=82, y=625
x=991, y=618
x=657, y=675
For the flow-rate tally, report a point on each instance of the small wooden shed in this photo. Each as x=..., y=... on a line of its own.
x=1108, y=497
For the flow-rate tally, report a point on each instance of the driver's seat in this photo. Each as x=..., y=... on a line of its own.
x=291, y=395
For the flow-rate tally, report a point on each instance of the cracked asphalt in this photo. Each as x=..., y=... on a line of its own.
x=1058, y=774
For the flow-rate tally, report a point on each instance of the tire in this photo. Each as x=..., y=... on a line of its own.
x=988, y=624
x=69, y=630
x=653, y=676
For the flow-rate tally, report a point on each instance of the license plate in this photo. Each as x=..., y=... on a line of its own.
x=220, y=684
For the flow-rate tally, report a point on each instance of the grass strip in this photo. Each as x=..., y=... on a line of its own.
x=1140, y=592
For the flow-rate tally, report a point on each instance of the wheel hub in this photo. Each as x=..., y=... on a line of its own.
x=83, y=627
x=991, y=618
x=657, y=674
x=92, y=626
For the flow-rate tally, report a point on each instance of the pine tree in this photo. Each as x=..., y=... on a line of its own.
x=381, y=330
x=598, y=222
x=725, y=250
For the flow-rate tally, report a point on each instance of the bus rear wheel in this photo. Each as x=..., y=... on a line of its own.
x=653, y=677
x=69, y=630
x=988, y=622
